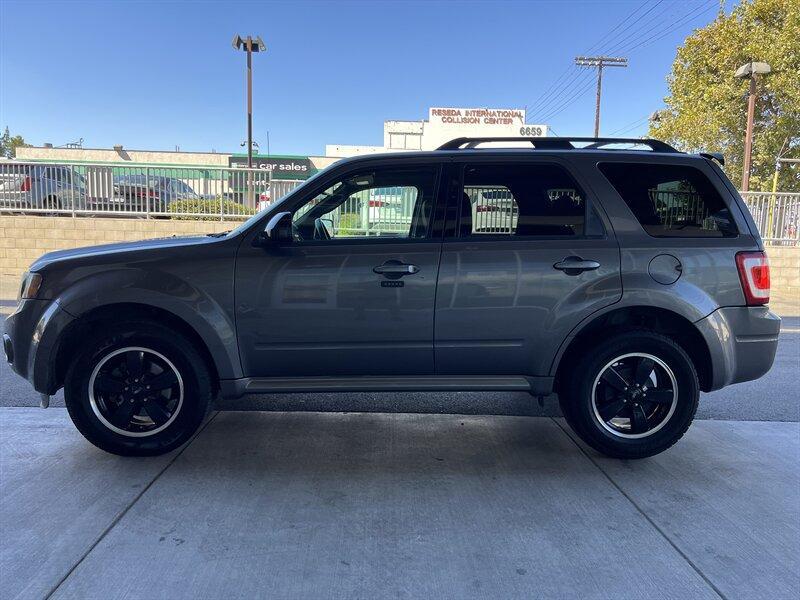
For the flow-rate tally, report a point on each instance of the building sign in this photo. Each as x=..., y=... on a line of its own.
x=476, y=116
x=280, y=167
x=533, y=130
x=445, y=124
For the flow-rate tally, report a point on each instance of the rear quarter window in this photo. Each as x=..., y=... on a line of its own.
x=671, y=200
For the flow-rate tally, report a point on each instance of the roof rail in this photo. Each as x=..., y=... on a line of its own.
x=558, y=143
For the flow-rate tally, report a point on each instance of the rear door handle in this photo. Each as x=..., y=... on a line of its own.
x=394, y=269
x=575, y=265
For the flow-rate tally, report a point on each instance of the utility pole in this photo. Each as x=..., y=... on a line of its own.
x=750, y=71
x=599, y=62
x=249, y=45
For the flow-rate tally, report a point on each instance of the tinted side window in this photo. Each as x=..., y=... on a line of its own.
x=383, y=202
x=520, y=200
x=671, y=200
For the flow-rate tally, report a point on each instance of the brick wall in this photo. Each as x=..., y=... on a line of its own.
x=24, y=239
x=784, y=263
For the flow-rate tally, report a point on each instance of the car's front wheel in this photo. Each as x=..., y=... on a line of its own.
x=631, y=396
x=138, y=389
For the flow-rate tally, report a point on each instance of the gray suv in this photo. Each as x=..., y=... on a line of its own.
x=622, y=274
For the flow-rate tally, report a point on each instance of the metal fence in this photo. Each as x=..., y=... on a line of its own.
x=137, y=190
x=191, y=192
x=777, y=216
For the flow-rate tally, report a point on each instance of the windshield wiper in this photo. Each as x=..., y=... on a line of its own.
x=219, y=233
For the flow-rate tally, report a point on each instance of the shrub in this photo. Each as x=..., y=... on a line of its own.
x=211, y=208
x=349, y=225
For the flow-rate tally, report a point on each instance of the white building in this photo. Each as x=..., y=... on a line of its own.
x=442, y=125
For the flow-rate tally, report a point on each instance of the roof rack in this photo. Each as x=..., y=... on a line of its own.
x=558, y=143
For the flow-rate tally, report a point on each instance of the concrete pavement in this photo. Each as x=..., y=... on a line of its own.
x=334, y=505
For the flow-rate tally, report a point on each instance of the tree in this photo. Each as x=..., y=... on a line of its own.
x=707, y=106
x=9, y=144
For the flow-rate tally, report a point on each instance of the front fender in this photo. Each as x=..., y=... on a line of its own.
x=208, y=314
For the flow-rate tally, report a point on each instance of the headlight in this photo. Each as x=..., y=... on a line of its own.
x=31, y=284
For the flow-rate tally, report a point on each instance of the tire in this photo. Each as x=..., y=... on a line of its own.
x=160, y=420
x=592, y=392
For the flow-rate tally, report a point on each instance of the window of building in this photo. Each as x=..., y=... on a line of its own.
x=520, y=200
x=671, y=200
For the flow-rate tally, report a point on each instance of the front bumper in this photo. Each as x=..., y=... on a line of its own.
x=742, y=341
x=30, y=342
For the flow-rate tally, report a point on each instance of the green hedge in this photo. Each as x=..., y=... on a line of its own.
x=207, y=207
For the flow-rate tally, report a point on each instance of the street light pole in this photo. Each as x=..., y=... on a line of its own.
x=748, y=135
x=249, y=102
x=249, y=45
x=750, y=71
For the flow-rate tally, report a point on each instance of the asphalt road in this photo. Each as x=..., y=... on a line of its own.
x=771, y=398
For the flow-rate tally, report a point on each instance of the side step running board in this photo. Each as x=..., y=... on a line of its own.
x=234, y=388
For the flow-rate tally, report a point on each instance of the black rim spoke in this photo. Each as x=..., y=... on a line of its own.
x=660, y=396
x=163, y=380
x=122, y=415
x=135, y=362
x=643, y=370
x=109, y=384
x=614, y=379
x=638, y=420
x=611, y=410
x=156, y=412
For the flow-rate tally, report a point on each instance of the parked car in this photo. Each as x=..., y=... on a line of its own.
x=142, y=192
x=47, y=187
x=592, y=293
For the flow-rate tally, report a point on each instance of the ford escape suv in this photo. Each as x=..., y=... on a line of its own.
x=622, y=274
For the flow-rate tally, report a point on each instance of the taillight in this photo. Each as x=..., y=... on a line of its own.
x=26, y=185
x=377, y=203
x=754, y=273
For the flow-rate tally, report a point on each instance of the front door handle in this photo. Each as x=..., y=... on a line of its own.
x=575, y=265
x=394, y=269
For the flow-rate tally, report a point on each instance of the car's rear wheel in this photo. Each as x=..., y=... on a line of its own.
x=631, y=396
x=139, y=389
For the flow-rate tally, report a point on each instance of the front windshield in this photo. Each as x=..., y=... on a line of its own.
x=258, y=215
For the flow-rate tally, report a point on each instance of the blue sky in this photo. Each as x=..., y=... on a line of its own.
x=155, y=75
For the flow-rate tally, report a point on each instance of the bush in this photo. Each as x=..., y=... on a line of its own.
x=349, y=225
x=210, y=208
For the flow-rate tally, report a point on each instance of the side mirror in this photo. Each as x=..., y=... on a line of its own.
x=277, y=231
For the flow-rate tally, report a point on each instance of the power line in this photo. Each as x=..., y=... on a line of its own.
x=578, y=78
x=542, y=101
x=644, y=26
x=571, y=84
x=630, y=126
x=545, y=101
x=578, y=95
x=625, y=20
x=675, y=25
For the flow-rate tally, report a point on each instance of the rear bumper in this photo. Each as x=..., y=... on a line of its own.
x=742, y=341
